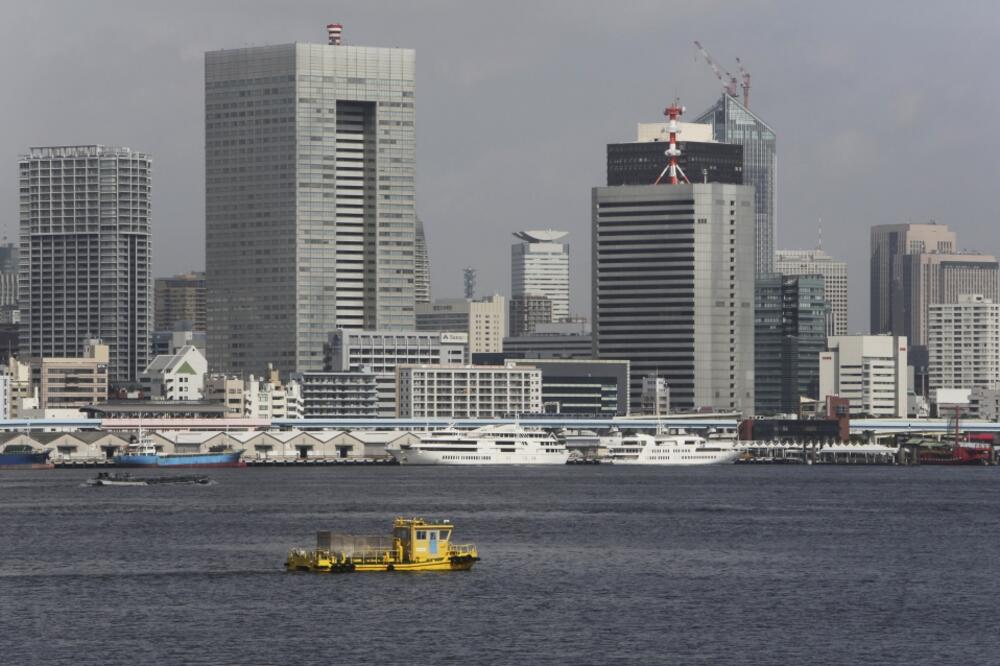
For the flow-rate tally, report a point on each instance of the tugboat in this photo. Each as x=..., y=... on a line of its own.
x=415, y=545
x=22, y=456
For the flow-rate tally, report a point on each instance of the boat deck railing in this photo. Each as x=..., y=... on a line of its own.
x=463, y=549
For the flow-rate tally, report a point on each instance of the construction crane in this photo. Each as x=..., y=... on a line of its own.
x=729, y=83
x=744, y=82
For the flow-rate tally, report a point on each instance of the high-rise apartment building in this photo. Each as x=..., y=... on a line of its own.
x=527, y=313
x=673, y=289
x=963, y=343
x=85, y=254
x=834, y=274
x=310, y=199
x=421, y=266
x=888, y=242
x=733, y=123
x=180, y=298
x=539, y=266
x=790, y=335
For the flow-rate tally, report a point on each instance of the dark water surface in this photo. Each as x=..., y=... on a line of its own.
x=581, y=565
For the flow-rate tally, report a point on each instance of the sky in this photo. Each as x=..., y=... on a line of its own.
x=880, y=109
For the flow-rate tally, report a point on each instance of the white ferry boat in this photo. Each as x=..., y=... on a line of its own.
x=509, y=444
x=678, y=449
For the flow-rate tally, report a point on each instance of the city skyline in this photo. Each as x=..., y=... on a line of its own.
x=552, y=157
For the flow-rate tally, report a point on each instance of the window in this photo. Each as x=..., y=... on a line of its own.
x=421, y=534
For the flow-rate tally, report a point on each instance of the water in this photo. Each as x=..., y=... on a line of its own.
x=581, y=565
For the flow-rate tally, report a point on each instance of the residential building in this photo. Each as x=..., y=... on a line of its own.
x=702, y=158
x=74, y=381
x=467, y=391
x=226, y=390
x=484, y=320
x=310, y=164
x=571, y=339
x=734, y=123
x=789, y=336
x=268, y=398
x=19, y=386
x=349, y=394
x=380, y=352
x=984, y=403
x=178, y=376
x=527, y=312
x=655, y=396
x=85, y=255
x=673, y=276
x=177, y=299
x=421, y=266
x=922, y=280
x=834, y=273
x=868, y=370
x=586, y=387
x=539, y=266
x=963, y=341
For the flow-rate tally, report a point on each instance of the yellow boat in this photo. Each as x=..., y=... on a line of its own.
x=415, y=545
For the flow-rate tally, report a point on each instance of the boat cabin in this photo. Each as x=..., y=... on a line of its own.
x=418, y=540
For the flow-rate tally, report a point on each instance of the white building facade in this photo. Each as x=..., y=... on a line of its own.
x=868, y=370
x=539, y=266
x=179, y=376
x=484, y=320
x=963, y=343
x=468, y=391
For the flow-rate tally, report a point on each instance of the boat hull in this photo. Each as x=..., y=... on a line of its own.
x=322, y=565
x=727, y=458
x=188, y=460
x=418, y=457
x=33, y=460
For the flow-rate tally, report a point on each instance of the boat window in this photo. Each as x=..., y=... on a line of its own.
x=421, y=534
x=444, y=535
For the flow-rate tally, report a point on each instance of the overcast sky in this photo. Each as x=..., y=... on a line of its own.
x=880, y=109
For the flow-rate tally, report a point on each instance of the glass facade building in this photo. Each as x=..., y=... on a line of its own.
x=733, y=123
x=790, y=334
x=310, y=160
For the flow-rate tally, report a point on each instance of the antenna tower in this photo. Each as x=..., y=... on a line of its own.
x=672, y=112
x=469, y=279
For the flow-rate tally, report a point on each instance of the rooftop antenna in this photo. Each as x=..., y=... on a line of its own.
x=672, y=112
x=820, y=246
x=469, y=278
x=333, y=33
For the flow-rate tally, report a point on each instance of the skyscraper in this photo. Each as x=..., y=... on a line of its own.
x=673, y=289
x=310, y=199
x=702, y=158
x=818, y=262
x=85, y=254
x=421, y=266
x=180, y=298
x=539, y=266
x=733, y=123
x=790, y=335
x=889, y=241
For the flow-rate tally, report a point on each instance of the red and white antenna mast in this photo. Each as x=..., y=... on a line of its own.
x=333, y=33
x=672, y=112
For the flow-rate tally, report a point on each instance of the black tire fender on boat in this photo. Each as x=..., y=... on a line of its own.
x=391, y=567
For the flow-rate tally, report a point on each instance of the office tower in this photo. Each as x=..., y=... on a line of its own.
x=702, y=158
x=889, y=241
x=310, y=210
x=869, y=371
x=85, y=254
x=177, y=299
x=732, y=122
x=790, y=335
x=421, y=266
x=673, y=276
x=963, y=341
x=527, y=313
x=834, y=273
x=539, y=266
x=921, y=280
x=484, y=320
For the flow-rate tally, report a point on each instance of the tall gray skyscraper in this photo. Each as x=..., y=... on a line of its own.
x=733, y=123
x=310, y=199
x=673, y=289
x=85, y=256
x=421, y=266
x=818, y=262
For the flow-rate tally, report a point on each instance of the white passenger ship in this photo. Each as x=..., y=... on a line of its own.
x=509, y=444
x=679, y=449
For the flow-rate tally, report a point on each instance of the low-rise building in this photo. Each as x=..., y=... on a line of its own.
x=484, y=320
x=329, y=395
x=556, y=340
x=869, y=370
x=984, y=403
x=226, y=390
x=178, y=376
x=467, y=391
x=586, y=387
x=655, y=396
x=269, y=398
x=65, y=383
